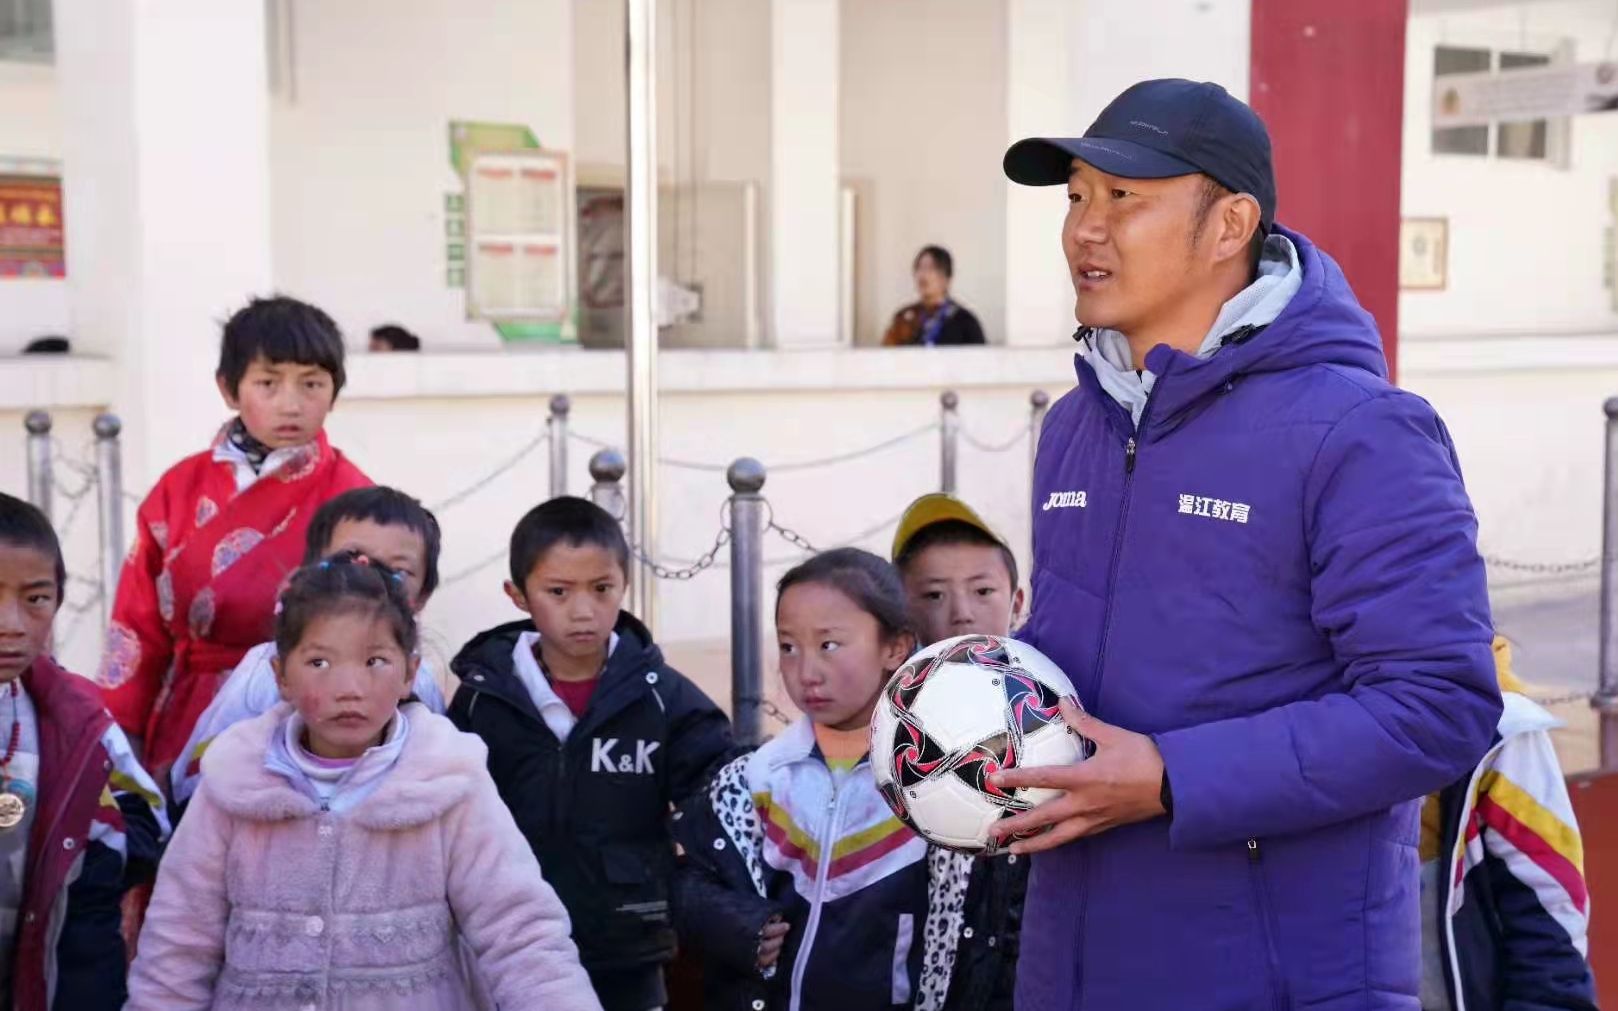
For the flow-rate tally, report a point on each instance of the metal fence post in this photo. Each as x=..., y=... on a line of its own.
x=1039, y=402
x=560, y=406
x=41, y=482
x=110, y=502
x=949, y=439
x=607, y=469
x=1606, y=699
x=746, y=478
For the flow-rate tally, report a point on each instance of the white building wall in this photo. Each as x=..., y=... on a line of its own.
x=1525, y=237
x=923, y=129
x=29, y=130
x=360, y=156
x=1521, y=348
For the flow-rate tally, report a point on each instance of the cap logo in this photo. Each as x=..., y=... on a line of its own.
x=1149, y=126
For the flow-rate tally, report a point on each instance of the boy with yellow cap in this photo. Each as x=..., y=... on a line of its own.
x=960, y=578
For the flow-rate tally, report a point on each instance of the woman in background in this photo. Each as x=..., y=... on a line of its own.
x=935, y=319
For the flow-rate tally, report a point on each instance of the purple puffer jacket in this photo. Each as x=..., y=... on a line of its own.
x=1276, y=578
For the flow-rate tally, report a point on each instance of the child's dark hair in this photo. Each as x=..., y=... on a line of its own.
x=396, y=337
x=866, y=579
x=383, y=506
x=22, y=525
x=940, y=257
x=346, y=582
x=954, y=532
x=282, y=330
x=575, y=522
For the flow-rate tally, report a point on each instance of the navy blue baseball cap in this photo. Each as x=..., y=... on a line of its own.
x=1160, y=129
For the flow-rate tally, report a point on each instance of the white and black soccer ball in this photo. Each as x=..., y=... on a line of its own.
x=954, y=714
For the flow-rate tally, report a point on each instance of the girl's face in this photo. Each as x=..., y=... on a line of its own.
x=835, y=656
x=346, y=676
x=28, y=602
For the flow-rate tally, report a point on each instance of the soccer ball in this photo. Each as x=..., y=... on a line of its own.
x=957, y=712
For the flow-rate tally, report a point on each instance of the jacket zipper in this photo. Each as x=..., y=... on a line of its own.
x=1131, y=448
x=1261, y=902
x=1130, y=452
x=556, y=809
x=1446, y=867
x=817, y=901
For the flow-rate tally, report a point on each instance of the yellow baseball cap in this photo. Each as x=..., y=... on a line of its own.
x=936, y=507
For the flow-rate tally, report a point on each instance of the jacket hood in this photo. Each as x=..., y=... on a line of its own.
x=437, y=769
x=1323, y=324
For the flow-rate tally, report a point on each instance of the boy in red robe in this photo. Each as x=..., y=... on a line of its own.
x=219, y=531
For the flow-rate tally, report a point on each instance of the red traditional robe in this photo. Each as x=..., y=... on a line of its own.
x=199, y=586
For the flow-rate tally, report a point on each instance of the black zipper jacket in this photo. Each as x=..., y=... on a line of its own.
x=595, y=807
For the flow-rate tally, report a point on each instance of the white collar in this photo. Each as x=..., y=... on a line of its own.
x=340, y=789
x=226, y=451
x=557, y=716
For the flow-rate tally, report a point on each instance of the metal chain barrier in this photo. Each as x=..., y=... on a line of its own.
x=792, y=537
x=787, y=534
x=505, y=467
x=707, y=560
x=997, y=447
x=1543, y=568
x=461, y=575
x=78, y=611
x=1563, y=699
x=810, y=464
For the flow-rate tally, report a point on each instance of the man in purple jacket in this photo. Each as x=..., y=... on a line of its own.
x=1257, y=561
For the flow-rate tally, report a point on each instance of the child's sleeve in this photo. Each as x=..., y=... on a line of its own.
x=133, y=817
x=720, y=921
x=90, y=954
x=138, y=649
x=182, y=945
x=699, y=738
x=511, y=918
x=1535, y=860
x=126, y=832
x=249, y=691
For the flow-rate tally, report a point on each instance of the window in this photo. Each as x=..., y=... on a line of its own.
x=25, y=31
x=1461, y=139
x=1522, y=140
x=1533, y=140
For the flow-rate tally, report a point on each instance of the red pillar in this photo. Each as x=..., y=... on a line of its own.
x=1328, y=78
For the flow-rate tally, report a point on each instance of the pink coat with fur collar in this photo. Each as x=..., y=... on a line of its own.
x=264, y=901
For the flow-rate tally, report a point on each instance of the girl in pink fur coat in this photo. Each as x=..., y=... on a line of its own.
x=344, y=851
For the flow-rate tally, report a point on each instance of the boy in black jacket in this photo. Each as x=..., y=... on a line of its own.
x=591, y=738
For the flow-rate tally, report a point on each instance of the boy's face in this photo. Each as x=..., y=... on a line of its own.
x=282, y=403
x=28, y=602
x=960, y=589
x=395, y=545
x=573, y=593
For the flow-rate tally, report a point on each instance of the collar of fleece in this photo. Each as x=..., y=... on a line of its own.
x=436, y=770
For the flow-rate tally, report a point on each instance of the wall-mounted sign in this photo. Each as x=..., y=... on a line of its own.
x=31, y=235
x=508, y=235
x=1526, y=94
x=1423, y=254
x=516, y=204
